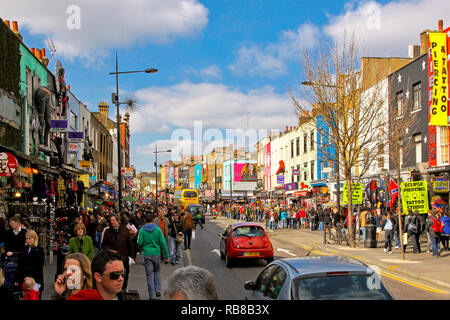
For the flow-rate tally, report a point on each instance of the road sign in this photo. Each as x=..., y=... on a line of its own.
x=130, y=182
x=76, y=136
x=58, y=126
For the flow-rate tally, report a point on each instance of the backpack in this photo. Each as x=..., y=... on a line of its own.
x=437, y=226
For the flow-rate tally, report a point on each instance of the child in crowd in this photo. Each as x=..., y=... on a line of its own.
x=30, y=290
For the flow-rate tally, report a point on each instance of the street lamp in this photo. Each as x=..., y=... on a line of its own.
x=156, y=166
x=118, y=103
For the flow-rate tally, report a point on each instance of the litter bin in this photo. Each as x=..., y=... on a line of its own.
x=371, y=236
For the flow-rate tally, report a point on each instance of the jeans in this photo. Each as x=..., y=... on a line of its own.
x=434, y=245
x=126, y=264
x=187, y=239
x=320, y=225
x=283, y=223
x=153, y=272
x=389, y=234
x=397, y=238
x=271, y=224
x=175, y=250
x=98, y=241
x=363, y=229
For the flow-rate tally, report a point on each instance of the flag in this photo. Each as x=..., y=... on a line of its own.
x=393, y=191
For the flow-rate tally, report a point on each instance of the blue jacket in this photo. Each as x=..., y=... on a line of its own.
x=446, y=221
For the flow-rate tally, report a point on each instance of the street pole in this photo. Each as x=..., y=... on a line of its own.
x=156, y=167
x=215, y=183
x=119, y=153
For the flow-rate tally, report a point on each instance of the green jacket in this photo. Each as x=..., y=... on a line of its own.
x=151, y=238
x=87, y=246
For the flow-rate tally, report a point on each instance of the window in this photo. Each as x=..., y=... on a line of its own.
x=417, y=97
x=276, y=284
x=305, y=143
x=298, y=146
x=299, y=174
x=264, y=278
x=312, y=170
x=73, y=121
x=305, y=172
x=292, y=148
x=399, y=103
x=292, y=174
x=312, y=141
x=380, y=156
x=418, y=144
x=444, y=144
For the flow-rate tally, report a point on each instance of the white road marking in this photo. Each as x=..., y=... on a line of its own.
x=286, y=251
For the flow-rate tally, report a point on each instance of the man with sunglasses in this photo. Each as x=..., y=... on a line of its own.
x=108, y=272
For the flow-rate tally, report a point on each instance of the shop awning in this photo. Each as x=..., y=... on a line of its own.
x=319, y=184
x=300, y=193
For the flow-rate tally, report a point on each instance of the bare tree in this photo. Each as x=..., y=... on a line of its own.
x=354, y=116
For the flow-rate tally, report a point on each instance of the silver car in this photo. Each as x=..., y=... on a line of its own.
x=317, y=278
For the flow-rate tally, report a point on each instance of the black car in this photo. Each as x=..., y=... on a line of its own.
x=196, y=210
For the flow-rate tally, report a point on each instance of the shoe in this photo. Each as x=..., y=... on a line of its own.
x=390, y=251
x=176, y=262
x=172, y=263
x=428, y=251
x=397, y=247
x=158, y=294
x=385, y=250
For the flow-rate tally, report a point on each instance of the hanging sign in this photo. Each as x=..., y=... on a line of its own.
x=280, y=179
x=73, y=148
x=414, y=196
x=8, y=164
x=58, y=126
x=357, y=195
x=439, y=80
x=76, y=136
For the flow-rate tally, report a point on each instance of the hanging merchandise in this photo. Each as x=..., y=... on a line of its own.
x=60, y=202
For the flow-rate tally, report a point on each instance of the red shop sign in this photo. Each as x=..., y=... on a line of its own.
x=8, y=164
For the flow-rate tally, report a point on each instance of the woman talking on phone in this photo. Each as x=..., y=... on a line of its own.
x=76, y=276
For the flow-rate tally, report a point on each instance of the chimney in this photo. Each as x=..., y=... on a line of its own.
x=290, y=129
x=8, y=23
x=127, y=117
x=413, y=51
x=424, y=41
x=15, y=29
x=68, y=87
x=103, y=108
x=45, y=60
x=33, y=51
x=441, y=25
x=38, y=54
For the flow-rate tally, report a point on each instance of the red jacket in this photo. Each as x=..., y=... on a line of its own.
x=31, y=295
x=86, y=294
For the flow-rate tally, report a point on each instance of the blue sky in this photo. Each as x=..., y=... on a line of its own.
x=226, y=63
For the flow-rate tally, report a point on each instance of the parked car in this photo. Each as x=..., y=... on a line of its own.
x=317, y=278
x=195, y=210
x=245, y=241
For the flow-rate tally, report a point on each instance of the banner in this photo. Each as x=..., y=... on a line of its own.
x=439, y=80
x=357, y=195
x=245, y=172
x=8, y=164
x=415, y=196
x=393, y=191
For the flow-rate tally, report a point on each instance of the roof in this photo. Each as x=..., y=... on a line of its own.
x=244, y=224
x=318, y=264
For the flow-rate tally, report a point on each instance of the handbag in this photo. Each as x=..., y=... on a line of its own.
x=178, y=237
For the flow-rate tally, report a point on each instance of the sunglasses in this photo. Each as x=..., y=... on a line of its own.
x=115, y=275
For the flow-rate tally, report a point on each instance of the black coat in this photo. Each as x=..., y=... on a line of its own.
x=31, y=264
x=175, y=224
x=15, y=243
x=119, y=241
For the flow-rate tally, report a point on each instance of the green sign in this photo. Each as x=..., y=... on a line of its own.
x=357, y=195
x=415, y=196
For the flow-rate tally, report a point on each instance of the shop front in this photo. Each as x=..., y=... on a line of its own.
x=439, y=186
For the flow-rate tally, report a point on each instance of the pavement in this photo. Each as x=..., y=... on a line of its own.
x=422, y=267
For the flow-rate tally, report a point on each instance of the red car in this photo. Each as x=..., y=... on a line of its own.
x=245, y=241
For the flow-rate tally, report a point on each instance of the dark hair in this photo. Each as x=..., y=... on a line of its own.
x=149, y=218
x=101, y=259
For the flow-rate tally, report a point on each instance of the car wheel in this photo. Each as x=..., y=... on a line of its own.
x=269, y=260
x=228, y=261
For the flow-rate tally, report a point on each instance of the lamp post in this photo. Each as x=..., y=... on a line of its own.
x=115, y=98
x=156, y=166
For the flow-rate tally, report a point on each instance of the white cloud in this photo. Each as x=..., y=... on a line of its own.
x=215, y=105
x=105, y=24
x=387, y=30
x=272, y=59
x=208, y=73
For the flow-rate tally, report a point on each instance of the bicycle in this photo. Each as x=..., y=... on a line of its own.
x=334, y=235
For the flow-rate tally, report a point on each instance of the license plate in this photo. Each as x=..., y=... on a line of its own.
x=251, y=254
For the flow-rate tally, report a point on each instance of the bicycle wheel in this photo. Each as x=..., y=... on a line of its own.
x=330, y=237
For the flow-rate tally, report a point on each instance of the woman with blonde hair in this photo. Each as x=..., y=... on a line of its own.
x=31, y=262
x=81, y=243
x=77, y=275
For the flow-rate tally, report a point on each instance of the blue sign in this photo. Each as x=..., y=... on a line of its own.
x=280, y=179
x=58, y=125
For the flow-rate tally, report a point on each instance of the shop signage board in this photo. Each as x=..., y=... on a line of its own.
x=84, y=164
x=127, y=172
x=296, y=172
x=414, y=196
x=58, y=126
x=440, y=184
x=73, y=148
x=8, y=164
x=75, y=136
x=290, y=186
x=280, y=179
x=357, y=195
x=438, y=51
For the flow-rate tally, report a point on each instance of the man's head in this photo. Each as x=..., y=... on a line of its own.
x=108, y=271
x=114, y=220
x=191, y=283
x=15, y=222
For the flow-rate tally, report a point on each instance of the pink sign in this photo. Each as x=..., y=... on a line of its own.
x=245, y=172
x=8, y=164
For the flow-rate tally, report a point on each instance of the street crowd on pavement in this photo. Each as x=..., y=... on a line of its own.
x=102, y=246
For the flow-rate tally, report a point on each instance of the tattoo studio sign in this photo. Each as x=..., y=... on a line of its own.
x=414, y=196
x=439, y=79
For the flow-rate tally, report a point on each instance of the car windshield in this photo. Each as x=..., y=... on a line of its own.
x=190, y=194
x=196, y=210
x=348, y=287
x=248, y=231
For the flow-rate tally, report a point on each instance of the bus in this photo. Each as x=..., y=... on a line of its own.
x=185, y=197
